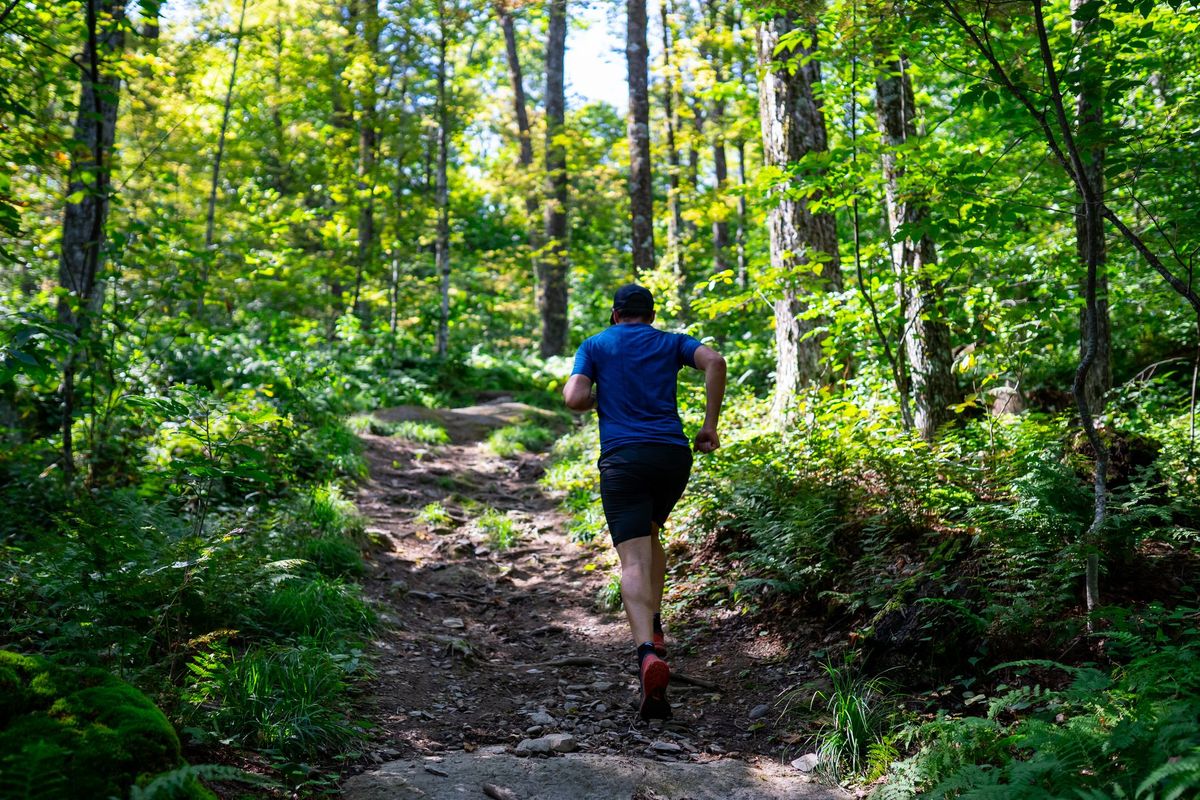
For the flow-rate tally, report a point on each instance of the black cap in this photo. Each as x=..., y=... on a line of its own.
x=633, y=299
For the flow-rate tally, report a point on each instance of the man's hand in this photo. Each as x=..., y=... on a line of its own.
x=707, y=440
x=711, y=363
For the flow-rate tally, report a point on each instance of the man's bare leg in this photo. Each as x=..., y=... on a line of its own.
x=642, y=577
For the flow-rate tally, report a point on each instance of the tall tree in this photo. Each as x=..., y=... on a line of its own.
x=552, y=266
x=442, y=200
x=720, y=228
x=524, y=137
x=1089, y=119
x=793, y=125
x=215, y=178
x=88, y=187
x=641, y=199
x=674, y=211
x=368, y=145
x=926, y=337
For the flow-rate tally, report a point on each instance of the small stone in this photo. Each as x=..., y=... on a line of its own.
x=562, y=743
x=602, y=686
x=807, y=762
x=600, y=708
x=660, y=746
x=453, y=622
x=534, y=730
x=534, y=747
x=716, y=749
x=607, y=724
x=540, y=717
x=441, y=773
x=760, y=711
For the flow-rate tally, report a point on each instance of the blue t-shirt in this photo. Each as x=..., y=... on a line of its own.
x=635, y=366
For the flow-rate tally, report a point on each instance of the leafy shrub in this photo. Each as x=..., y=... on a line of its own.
x=429, y=433
x=286, y=699
x=513, y=439
x=434, y=515
x=330, y=511
x=501, y=531
x=1131, y=733
x=608, y=597
x=855, y=721
x=319, y=608
x=334, y=556
x=81, y=730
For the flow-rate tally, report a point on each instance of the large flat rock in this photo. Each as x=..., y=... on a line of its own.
x=582, y=776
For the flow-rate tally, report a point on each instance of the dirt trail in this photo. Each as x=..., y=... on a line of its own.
x=484, y=654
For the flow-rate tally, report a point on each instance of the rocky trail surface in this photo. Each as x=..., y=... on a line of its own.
x=497, y=674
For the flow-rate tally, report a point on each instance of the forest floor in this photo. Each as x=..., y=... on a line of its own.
x=484, y=653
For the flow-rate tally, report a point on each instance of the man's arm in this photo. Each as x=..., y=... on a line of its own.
x=578, y=393
x=712, y=364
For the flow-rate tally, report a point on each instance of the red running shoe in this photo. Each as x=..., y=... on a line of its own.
x=660, y=644
x=655, y=677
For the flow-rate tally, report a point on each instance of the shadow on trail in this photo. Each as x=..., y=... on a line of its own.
x=481, y=647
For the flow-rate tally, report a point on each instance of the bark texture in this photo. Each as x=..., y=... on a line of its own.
x=368, y=144
x=552, y=266
x=674, y=212
x=793, y=124
x=1089, y=114
x=89, y=183
x=442, y=239
x=215, y=177
x=641, y=199
x=926, y=337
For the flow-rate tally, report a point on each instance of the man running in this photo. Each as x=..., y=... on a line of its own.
x=644, y=457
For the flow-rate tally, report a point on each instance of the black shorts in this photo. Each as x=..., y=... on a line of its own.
x=640, y=484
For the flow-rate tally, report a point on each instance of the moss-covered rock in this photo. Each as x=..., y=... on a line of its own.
x=68, y=732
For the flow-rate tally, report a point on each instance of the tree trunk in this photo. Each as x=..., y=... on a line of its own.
x=720, y=228
x=524, y=133
x=368, y=138
x=442, y=243
x=926, y=337
x=86, y=212
x=1089, y=111
x=210, y=219
x=793, y=124
x=641, y=199
x=552, y=266
x=675, y=216
x=740, y=236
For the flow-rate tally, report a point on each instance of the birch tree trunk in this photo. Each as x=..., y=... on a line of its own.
x=552, y=266
x=926, y=337
x=89, y=180
x=442, y=242
x=793, y=124
x=641, y=200
x=1089, y=113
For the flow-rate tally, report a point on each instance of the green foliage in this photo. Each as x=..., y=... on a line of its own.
x=608, y=598
x=185, y=782
x=330, y=511
x=287, y=699
x=513, y=439
x=334, y=556
x=82, y=731
x=855, y=718
x=407, y=430
x=1129, y=734
x=316, y=608
x=501, y=531
x=434, y=515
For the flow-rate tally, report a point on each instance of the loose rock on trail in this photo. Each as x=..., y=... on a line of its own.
x=497, y=675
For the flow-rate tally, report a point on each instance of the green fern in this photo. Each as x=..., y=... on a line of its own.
x=184, y=782
x=35, y=773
